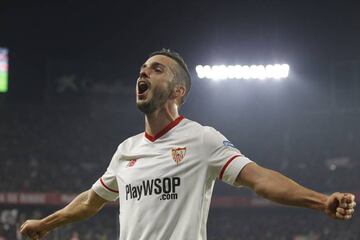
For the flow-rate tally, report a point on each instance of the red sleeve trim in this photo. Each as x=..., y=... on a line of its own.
x=226, y=165
x=104, y=185
x=165, y=130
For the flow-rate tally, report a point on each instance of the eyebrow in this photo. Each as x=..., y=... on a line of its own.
x=154, y=64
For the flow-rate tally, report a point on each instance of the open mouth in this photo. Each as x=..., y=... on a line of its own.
x=143, y=86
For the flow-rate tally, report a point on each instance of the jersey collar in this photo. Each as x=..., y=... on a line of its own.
x=165, y=129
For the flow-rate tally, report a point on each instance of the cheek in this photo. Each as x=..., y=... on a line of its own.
x=162, y=86
x=160, y=92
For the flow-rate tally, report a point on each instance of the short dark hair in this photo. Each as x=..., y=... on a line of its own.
x=183, y=73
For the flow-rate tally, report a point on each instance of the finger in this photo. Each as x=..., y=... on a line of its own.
x=339, y=216
x=22, y=225
x=43, y=234
x=345, y=211
x=349, y=211
x=23, y=231
x=342, y=211
x=349, y=197
x=348, y=205
x=35, y=237
x=351, y=205
x=340, y=197
x=343, y=205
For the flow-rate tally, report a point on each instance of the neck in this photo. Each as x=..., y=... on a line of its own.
x=159, y=119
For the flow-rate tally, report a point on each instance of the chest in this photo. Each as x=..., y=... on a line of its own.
x=158, y=161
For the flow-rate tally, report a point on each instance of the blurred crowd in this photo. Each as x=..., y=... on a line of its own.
x=223, y=224
x=279, y=224
x=65, y=146
x=102, y=227
x=61, y=148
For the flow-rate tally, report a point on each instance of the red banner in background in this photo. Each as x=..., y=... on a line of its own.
x=19, y=198
x=35, y=198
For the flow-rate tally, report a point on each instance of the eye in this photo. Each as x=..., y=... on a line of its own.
x=158, y=69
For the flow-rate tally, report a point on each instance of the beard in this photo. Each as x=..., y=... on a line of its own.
x=158, y=100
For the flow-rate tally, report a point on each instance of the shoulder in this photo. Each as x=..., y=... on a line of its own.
x=210, y=133
x=191, y=127
x=130, y=142
x=207, y=133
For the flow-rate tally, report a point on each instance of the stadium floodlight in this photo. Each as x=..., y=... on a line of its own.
x=261, y=72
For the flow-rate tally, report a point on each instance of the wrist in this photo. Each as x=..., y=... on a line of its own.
x=321, y=205
x=315, y=200
x=52, y=221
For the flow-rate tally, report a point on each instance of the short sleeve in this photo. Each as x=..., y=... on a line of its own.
x=106, y=186
x=225, y=160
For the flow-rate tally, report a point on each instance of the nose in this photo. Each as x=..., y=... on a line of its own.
x=144, y=73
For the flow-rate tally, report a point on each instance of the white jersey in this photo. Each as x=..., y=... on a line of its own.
x=164, y=183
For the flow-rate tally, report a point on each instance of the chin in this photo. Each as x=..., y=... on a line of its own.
x=140, y=102
x=145, y=107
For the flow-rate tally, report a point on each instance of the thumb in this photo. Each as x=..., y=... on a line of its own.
x=349, y=197
x=35, y=237
x=42, y=234
x=342, y=200
x=339, y=197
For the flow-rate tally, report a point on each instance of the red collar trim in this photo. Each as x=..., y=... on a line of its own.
x=165, y=130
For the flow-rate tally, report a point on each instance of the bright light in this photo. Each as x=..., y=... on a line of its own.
x=3, y=70
x=261, y=72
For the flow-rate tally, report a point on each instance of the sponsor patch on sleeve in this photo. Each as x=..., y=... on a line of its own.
x=228, y=144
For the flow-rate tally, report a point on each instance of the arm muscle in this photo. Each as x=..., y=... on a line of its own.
x=279, y=188
x=82, y=207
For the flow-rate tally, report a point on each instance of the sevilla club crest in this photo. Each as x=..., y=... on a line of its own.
x=178, y=154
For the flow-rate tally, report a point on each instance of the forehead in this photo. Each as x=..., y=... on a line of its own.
x=162, y=59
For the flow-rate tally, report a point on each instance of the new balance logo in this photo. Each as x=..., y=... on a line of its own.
x=131, y=163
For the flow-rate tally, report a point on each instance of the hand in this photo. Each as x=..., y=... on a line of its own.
x=340, y=205
x=33, y=229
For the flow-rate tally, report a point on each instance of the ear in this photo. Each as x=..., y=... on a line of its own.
x=179, y=92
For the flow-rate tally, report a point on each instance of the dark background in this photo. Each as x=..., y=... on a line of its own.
x=60, y=138
x=114, y=37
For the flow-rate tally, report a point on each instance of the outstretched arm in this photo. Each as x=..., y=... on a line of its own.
x=278, y=188
x=82, y=207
